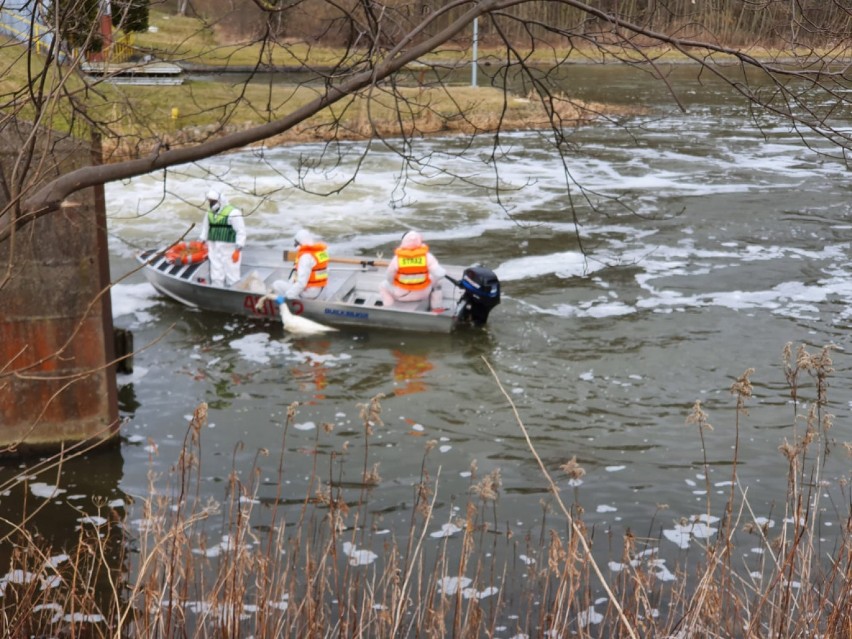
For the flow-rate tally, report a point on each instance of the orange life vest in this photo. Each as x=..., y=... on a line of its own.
x=413, y=271
x=319, y=274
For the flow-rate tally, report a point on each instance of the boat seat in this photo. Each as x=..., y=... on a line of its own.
x=338, y=288
x=365, y=299
x=277, y=274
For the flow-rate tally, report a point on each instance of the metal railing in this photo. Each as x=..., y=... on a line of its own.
x=21, y=27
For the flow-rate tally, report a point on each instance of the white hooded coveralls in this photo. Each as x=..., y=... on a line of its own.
x=223, y=269
x=392, y=293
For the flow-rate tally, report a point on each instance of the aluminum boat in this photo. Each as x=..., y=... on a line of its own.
x=351, y=297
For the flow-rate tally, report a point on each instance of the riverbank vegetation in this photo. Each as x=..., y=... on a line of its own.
x=135, y=121
x=324, y=564
x=315, y=33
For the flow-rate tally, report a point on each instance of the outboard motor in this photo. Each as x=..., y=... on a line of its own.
x=481, y=293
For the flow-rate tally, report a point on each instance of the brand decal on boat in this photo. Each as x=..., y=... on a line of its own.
x=268, y=309
x=353, y=314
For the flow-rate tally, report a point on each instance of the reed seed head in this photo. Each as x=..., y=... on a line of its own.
x=488, y=488
x=698, y=416
x=573, y=469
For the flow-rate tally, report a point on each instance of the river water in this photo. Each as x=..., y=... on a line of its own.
x=709, y=244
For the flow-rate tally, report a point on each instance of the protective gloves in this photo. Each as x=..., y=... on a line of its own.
x=235, y=257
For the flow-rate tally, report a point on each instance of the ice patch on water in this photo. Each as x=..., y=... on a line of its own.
x=17, y=576
x=447, y=530
x=46, y=491
x=227, y=545
x=358, y=557
x=56, y=560
x=697, y=526
x=595, y=309
x=453, y=585
x=589, y=617
x=51, y=582
x=54, y=607
x=79, y=617
x=93, y=520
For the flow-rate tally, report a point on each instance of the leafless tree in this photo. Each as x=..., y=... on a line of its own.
x=803, y=82
x=392, y=65
x=386, y=55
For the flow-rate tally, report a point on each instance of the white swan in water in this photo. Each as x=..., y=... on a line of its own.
x=295, y=324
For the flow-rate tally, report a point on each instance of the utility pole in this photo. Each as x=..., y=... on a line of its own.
x=475, y=52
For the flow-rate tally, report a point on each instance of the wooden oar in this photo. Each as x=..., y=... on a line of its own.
x=290, y=256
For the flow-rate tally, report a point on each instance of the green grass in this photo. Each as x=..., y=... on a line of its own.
x=192, y=40
x=136, y=118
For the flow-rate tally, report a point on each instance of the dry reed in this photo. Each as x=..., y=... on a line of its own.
x=248, y=567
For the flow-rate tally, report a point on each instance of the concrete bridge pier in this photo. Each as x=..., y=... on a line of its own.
x=57, y=376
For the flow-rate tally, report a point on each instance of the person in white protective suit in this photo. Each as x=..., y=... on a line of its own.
x=224, y=230
x=413, y=274
x=310, y=269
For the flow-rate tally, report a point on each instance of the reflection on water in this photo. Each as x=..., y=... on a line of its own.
x=409, y=372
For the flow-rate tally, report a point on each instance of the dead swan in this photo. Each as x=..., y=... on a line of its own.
x=295, y=324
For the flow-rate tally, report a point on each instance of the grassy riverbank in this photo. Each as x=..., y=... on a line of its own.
x=135, y=120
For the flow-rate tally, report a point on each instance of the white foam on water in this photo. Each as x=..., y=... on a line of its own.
x=366, y=215
x=134, y=299
x=260, y=348
x=564, y=265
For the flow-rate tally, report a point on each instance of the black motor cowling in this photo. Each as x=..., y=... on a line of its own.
x=481, y=293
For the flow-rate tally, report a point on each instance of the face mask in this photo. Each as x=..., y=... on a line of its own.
x=214, y=205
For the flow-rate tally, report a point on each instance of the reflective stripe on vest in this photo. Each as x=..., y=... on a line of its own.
x=413, y=271
x=319, y=273
x=219, y=228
